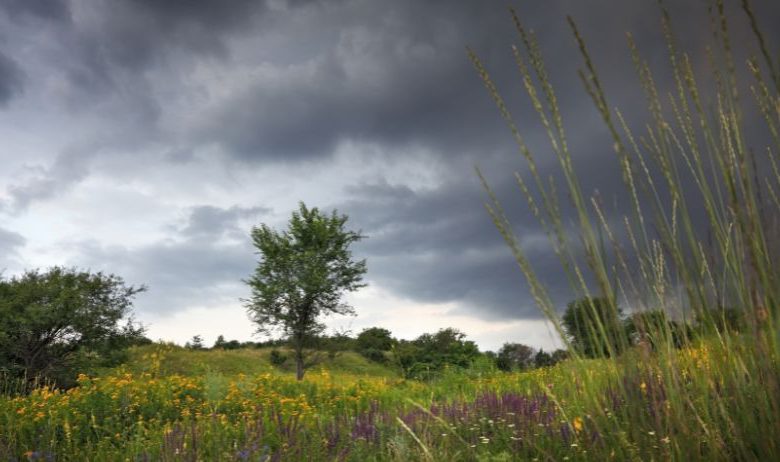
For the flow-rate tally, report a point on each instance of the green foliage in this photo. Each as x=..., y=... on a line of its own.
x=221, y=343
x=559, y=355
x=334, y=345
x=56, y=323
x=543, y=359
x=374, y=342
x=721, y=320
x=376, y=338
x=375, y=355
x=277, y=358
x=695, y=227
x=302, y=275
x=514, y=356
x=594, y=327
x=654, y=328
x=428, y=354
x=196, y=343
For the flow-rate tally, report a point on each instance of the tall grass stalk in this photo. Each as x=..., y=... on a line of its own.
x=692, y=154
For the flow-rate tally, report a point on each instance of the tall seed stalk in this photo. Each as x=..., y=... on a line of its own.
x=692, y=155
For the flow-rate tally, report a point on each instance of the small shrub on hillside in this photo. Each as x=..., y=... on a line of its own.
x=372, y=354
x=277, y=358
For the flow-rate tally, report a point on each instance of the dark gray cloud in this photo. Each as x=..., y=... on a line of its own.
x=395, y=73
x=132, y=34
x=11, y=79
x=441, y=246
x=58, y=10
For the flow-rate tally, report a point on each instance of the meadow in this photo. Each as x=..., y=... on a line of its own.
x=697, y=232
x=168, y=403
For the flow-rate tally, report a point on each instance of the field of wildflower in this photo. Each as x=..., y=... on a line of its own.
x=579, y=409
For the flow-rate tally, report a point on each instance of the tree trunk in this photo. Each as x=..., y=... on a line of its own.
x=299, y=364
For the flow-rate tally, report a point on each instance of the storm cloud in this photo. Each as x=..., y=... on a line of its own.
x=11, y=79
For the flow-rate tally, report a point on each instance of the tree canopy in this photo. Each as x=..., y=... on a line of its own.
x=302, y=275
x=429, y=353
x=594, y=327
x=48, y=319
x=373, y=342
x=515, y=356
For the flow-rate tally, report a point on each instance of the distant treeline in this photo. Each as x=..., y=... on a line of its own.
x=591, y=327
x=420, y=358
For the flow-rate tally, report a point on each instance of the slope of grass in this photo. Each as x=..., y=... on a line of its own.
x=173, y=360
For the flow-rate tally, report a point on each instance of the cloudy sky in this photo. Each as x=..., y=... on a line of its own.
x=146, y=137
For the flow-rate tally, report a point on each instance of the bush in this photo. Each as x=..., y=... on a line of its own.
x=429, y=353
x=375, y=338
x=58, y=323
x=372, y=354
x=277, y=357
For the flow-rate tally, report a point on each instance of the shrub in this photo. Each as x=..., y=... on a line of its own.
x=58, y=323
x=277, y=357
x=372, y=354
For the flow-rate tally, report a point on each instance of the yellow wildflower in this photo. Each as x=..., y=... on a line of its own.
x=577, y=424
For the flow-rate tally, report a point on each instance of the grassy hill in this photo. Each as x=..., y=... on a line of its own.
x=170, y=360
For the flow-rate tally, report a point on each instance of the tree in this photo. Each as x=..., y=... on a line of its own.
x=542, y=359
x=222, y=344
x=721, y=319
x=514, y=356
x=373, y=342
x=49, y=320
x=232, y=345
x=302, y=275
x=653, y=328
x=594, y=327
x=558, y=356
x=429, y=353
x=195, y=344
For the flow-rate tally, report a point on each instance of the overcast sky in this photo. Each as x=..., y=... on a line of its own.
x=146, y=137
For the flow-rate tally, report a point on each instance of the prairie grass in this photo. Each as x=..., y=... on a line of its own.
x=698, y=234
x=548, y=413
